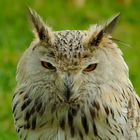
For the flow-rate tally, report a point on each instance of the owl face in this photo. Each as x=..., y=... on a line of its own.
x=69, y=62
x=64, y=64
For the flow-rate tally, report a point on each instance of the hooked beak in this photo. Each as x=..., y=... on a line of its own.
x=68, y=83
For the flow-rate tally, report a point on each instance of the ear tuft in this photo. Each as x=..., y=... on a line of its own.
x=97, y=32
x=111, y=24
x=43, y=32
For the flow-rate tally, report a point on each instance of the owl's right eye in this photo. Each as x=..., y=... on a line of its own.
x=47, y=65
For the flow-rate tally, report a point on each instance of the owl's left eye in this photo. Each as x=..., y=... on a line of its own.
x=90, y=67
x=47, y=65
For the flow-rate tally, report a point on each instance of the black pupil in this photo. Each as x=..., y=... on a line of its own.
x=50, y=65
x=89, y=67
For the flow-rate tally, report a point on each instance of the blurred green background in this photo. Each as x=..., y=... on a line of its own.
x=16, y=35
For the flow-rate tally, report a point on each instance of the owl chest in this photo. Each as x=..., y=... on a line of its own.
x=75, y=123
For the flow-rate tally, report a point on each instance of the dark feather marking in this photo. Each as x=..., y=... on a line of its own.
x=42, y=110
x=43, y=124
x=20, y=136
x=130, y=88
x=42, y=34
x=21, y=92
x=26, y=103
x=96, y=40
x=92, y=112
x=96, y=105
x=52, y=120
x=107, y=121
x=115, y=98
x=124, y=118
x=20, y=126
x=81, y=135
x=18, y=130
x=74, y=110
x=119, y=113
x=95, y=129
x=32, y=111
x=34, y=123
x=37, y=101
x=116, y=128
x=106, y=110
x=62, y=123
x=112, y=133
x=25, y=137
x=15, y=113
x=14, y=96
x=17, y=118
x=53, y=108
x=38, y=106
x=112, y=113
x=138, y=102
x=25, y=97
x=100, y=138
x=27, y=126
x=27, y=116
x=123, y=95
x=122, y=131
x=15, y=105
x=67, y=92
x=70, y=122
x=108, y=138
x=84, y=122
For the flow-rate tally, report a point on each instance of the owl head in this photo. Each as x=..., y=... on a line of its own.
x=72, y=62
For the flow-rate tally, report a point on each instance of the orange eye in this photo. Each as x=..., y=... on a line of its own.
x=90, y=67
x=47, y=65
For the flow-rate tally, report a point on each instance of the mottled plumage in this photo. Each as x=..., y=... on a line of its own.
x=74, y=85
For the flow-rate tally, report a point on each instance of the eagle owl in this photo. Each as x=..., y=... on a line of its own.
x=74, y=85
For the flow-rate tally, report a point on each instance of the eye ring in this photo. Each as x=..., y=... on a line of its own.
x=90, y=67
x=47, y=65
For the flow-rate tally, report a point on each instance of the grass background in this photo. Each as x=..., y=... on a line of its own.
x=16, y=35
